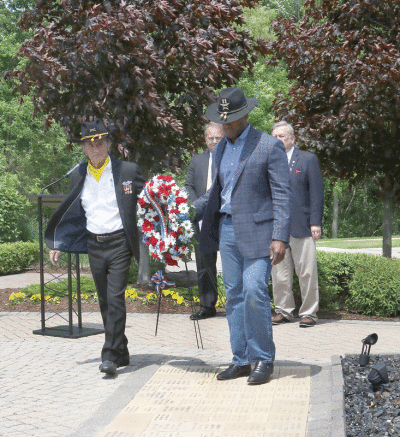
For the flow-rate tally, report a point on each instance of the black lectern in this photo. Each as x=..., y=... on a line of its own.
x=66, y=331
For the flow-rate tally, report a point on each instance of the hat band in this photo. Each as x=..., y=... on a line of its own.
x=94, y=137
x=224, y=114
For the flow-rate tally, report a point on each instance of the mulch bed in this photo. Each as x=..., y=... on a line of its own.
x=168, y=306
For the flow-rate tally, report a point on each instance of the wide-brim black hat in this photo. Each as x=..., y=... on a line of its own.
x=92, y=131
x=232, y=105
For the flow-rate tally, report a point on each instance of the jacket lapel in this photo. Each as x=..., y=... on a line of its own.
x=218, y=154
x=248, y=148
x=116, y=171
x=205, y=157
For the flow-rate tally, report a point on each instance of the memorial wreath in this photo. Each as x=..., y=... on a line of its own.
x=164, y=217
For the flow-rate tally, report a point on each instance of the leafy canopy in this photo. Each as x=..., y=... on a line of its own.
x=344, y=59
x=29, y=157
x=150, y=65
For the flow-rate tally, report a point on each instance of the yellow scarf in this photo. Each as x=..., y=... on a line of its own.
x=97, y=172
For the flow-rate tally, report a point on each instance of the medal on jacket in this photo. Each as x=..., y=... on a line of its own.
x=127, y=187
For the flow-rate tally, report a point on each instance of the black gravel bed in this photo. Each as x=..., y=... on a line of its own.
x=371, y=412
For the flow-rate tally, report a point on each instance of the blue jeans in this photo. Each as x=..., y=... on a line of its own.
x=248, y=307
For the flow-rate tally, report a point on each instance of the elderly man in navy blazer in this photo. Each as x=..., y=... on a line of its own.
x=198, y=182
x=307, y=210
x=99, y=217
x=246, y=214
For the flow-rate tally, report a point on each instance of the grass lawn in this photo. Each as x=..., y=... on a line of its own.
x=357, y=243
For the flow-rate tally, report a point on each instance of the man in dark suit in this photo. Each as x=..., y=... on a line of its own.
x=198, y=181
x=99, y=217
x=307, y=210
x=246, y=215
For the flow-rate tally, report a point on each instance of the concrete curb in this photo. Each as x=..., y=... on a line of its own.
x=338, y=412
x=326, y=417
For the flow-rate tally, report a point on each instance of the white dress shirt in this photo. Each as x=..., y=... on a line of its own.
x=289, y=154
x=100, y=203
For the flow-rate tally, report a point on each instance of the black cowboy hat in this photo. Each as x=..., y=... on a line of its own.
x=232, y=105
x=92, y=131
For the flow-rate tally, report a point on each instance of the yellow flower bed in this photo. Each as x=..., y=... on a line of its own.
x=37, y=298
x=131, y=294
x=16, y=298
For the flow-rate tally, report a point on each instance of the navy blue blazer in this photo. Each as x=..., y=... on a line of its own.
x=260, y=197
x=66, y=230
x=307, y=188
x=196, y=178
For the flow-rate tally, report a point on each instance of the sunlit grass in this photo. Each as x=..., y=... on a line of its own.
x=357, y=243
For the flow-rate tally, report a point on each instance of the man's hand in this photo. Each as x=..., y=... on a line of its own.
x=54, y=254
x=316, y=232
x=277, y=252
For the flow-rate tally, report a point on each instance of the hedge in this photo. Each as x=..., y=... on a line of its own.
x=357, y=282
x=15, y=257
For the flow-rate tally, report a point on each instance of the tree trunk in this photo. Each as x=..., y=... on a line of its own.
x=144, y=263
x=387, y=223
x=335, y=219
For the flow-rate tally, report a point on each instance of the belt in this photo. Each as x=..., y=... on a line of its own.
x=101, y=238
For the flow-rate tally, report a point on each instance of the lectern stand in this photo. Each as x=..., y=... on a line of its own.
x=66, y=331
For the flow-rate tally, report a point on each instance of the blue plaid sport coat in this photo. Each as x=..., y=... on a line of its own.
x=260, y=198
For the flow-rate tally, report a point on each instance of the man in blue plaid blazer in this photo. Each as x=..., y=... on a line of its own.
x=246, y=215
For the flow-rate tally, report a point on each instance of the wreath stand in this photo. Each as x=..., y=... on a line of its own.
x=162, y=190
x=161, y=283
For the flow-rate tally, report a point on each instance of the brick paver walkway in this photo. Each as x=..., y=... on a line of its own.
x=51, y=387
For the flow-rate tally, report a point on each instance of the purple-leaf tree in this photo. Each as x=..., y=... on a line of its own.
x=149, y=65
x=344, y=61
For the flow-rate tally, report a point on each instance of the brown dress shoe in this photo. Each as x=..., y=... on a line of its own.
x=307, y=322
x=279, y=320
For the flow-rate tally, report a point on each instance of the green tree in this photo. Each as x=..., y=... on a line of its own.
x=286, y=8
x=343, y=59
x=32, y=157
x=266, y=80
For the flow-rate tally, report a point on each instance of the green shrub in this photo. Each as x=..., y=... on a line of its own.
x=13, y=207
x=15, y=257
x=335, y=271
x=374, y=288
x=357, y=282
x=60, y=289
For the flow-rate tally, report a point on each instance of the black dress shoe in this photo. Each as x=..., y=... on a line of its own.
x=203, y=314
x=108, y=367
x=261, y=373
x=234, y=371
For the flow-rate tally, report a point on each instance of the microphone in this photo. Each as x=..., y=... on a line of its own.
x=73, y=168
x=63, y=177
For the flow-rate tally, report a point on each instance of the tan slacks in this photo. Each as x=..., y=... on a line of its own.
x=301, y=257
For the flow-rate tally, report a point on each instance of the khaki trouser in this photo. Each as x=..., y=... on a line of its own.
x=301, y=257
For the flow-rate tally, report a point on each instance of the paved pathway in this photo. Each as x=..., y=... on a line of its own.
x=51, y=387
